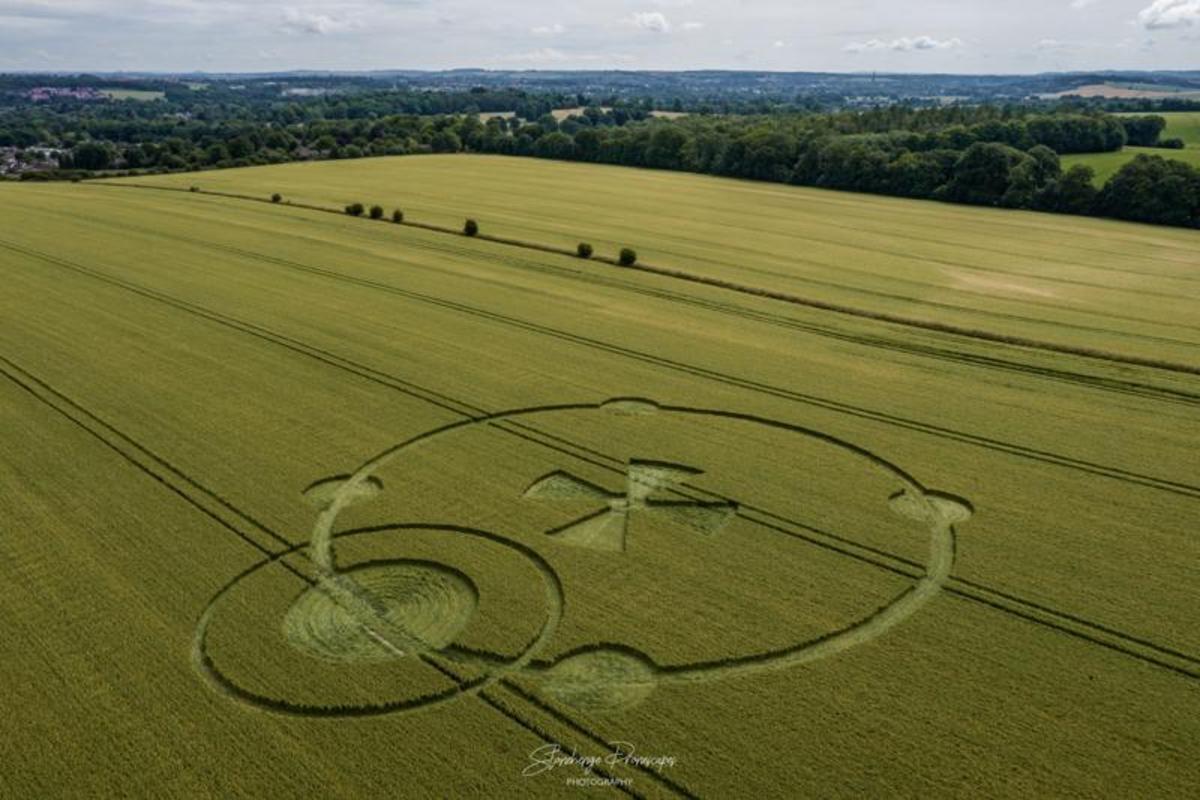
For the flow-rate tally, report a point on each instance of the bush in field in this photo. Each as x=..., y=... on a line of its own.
x=471, y=228
x=397, y=216
x=194, y=189
x=584, y=250
x=277, y=198
x=628, y=257
x=355, y=209
x=376, y=212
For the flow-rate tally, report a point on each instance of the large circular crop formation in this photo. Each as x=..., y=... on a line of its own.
x=602, y=503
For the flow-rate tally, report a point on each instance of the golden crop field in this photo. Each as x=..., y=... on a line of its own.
x=299, y=504
x=1084, y=282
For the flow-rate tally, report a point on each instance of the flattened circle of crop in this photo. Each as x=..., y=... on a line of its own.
x=601, y=679
x=431, y=601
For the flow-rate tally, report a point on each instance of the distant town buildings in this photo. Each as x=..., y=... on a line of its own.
x=43, y=94
x=15, y=162
x=304, y=91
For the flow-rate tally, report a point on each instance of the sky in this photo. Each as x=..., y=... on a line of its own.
x=964, y=36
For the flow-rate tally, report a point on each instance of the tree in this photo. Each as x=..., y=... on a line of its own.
x=241, y=147
x=1153, y=189
x=853, y=163
x=1048, y=165
x=983, y=174
x=216, y=153
x=277, y=198
x=397, y=216
x=1144, y=131
x=1073, y=193
x=471, y=228
x=921, y=174
x=446, y=141
x=628, y=257
x=355, y=209
x=376, y=212
x=584, y=250
x=765, y=154
x=1023, y=185
x=587, y=144
x=666, y=147
x=555, y=145
x=705, y=152
x=93, y=155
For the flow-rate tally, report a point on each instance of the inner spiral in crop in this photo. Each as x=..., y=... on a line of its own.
x=381, y=612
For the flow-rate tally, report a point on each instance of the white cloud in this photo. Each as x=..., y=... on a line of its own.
x=654, y=21
x=906, y=44
x=552, y=55
x=684, y=34
x=14, y=23
x=1163, y=14
x=296, y=20
x=299, y=16
x=33, y=8
x=543, y=55
x=778, y=43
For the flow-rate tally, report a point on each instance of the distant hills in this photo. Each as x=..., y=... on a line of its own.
x=727, y=83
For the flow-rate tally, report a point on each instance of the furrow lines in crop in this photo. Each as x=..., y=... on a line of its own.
x=884, y=560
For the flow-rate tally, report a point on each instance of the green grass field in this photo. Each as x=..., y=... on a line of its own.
x=140, y=95
x=297, y=500
x=1180, y=124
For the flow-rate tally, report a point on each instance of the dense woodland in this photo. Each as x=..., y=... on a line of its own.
x=1000, y=155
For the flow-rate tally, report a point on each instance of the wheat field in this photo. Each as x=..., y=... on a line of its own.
x=297, y=503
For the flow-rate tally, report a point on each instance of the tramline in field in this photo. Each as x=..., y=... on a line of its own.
x=383, y=509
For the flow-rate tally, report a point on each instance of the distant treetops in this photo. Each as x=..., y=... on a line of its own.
x=987, y=155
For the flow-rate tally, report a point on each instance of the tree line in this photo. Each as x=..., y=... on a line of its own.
x=1000, y=155
x=1006, y=162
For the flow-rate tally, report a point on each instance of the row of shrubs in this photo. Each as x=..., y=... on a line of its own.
x=376, y=212
x=627, y=257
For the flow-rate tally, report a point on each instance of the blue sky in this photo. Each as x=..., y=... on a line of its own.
x=848, y=35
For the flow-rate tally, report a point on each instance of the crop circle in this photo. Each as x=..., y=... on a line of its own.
x=373, y=613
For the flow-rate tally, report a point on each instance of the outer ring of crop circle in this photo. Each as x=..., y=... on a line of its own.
x=493, y=672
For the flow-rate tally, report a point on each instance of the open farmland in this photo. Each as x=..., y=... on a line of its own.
x=311, y=504
x=1129, y=91
x=1183, y=125
x=1081, y=282
x=140, y=95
